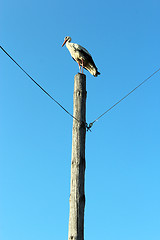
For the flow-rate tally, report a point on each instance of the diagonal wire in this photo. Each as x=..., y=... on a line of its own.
x=91, y=124
x=38, y=84
x=88, y=126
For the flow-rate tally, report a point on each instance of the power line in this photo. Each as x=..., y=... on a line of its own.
x=91, y=124
x=38, y=84
x=88, y=126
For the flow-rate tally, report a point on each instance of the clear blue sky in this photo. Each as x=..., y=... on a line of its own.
x=123, y=149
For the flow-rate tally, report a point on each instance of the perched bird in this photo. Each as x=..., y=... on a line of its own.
x=81, y=56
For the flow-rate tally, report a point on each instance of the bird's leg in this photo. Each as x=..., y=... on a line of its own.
x=82, y=65
x=79, y=67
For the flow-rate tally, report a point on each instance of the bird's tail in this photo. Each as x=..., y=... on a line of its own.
x=93, y=70
x=97, y=73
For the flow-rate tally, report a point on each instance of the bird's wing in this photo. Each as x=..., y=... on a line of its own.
x=79, y=47
x=88, y=58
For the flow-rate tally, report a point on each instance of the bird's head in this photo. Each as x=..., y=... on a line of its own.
x=66, y=39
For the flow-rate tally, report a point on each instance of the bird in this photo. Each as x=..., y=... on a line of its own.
x=81, y=56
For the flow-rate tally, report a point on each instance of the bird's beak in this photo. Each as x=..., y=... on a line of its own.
x=64, y=42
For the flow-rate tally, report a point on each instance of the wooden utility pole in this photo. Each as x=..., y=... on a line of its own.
x=77, y=194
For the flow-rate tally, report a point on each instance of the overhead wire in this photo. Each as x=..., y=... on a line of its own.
x=38, y=84
x=91, y=124
x=88, y=126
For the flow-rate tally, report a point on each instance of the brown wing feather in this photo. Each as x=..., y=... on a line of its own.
x=87, y=58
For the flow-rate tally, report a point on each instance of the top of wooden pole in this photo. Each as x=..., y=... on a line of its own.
x=81, y=84
x=80, y=75
x=80, y=96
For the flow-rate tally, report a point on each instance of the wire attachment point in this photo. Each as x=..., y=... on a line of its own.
x=88, y=126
